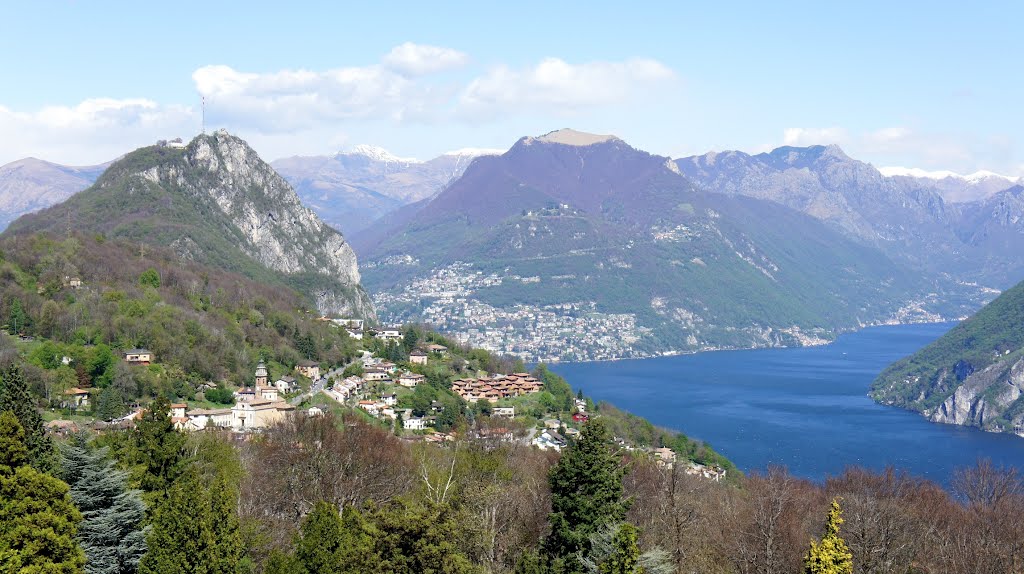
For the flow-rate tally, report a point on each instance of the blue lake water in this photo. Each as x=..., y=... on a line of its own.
x=805, y=408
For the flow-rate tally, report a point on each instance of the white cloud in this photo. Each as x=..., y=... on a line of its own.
x=300, y=99
x=554, y=84
x=419, y=59
x=92, y=131
x=813, y=136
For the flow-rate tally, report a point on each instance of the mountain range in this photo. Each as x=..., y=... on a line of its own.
x=32, y=184
x=904, y=216
x=350, y=190
x=572, y=224
x=215, y=202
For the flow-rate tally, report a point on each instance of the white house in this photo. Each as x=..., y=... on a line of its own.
x=314, y=412
x=390, y=399
x=410, y=380
x=415, y=423
x=356, y=334
x=286, y=385
x=376, y=374
x=389, y=333
x=418, y=357
x=549, y=439
x=509, y=412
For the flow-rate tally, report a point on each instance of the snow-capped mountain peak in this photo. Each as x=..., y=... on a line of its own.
x=977, y=176
x=380, y=154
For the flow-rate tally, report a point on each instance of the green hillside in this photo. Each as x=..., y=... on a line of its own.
x=202, y=324
x=971, y=375
x=217, y=203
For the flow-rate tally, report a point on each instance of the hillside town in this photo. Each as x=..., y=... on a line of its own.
x=383, y=391
x=452, y=299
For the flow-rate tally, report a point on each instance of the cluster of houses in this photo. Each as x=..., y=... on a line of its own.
x=497, y=387
x=255, y=407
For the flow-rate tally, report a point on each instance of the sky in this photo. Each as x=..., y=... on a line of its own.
x=931, y=85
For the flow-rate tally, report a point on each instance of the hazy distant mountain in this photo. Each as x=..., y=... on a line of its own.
x=904, y=215
x=953, y=187
x=351, y=189
x=584, y=219
x=31, y=184
x=217, y=203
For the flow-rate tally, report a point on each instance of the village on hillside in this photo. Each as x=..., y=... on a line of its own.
x=405, y=395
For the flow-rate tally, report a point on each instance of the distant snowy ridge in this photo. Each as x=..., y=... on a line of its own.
x=380, y=154
x=894, y=171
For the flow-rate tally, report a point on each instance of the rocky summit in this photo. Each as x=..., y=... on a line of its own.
x=216, y=202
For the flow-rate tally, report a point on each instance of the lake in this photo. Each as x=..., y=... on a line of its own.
x=805, y=408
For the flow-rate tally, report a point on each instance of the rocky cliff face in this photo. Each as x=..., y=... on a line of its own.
x=217, y=202
x=985, y=399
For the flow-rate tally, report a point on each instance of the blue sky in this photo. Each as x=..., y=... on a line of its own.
x=933, y=85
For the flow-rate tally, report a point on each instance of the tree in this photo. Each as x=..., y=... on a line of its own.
x=111, y=532
x=586, y=494
x=150, y=278
x=110, y=404
x=180, y=540
x=159, y=451
x=222, y=520
x=415, y=539
x=38, y=520
x=333, y=543
x=15, y=397
x=830, y=555
x=18, y=318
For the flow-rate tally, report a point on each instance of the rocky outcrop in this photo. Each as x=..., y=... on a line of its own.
x=984, y=398
x=216, y=202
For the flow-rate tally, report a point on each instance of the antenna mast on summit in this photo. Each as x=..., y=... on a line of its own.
x=203, y=125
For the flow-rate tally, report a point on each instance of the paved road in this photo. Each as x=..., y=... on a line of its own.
x=317, y=386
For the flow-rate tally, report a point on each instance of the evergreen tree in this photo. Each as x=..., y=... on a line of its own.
x=414, y=539
x=226, y=553
x=195, y=530
x=110, y=404
x=15, y=397
x=586, y=494
x=18, y=318
x=181, y=539
x=830, y=555
x=335, y=543
x=159, y=451
x=37, y=518
x=111, y=532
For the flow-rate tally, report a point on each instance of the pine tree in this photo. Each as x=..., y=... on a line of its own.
x=586, y=494
x=37, y=518
x=111, y=532
x=15, y=396
x=181, y=539
x=227, y=550
x=830, y=555
x=110, y=404
x=335, y=543
x=159, y=450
